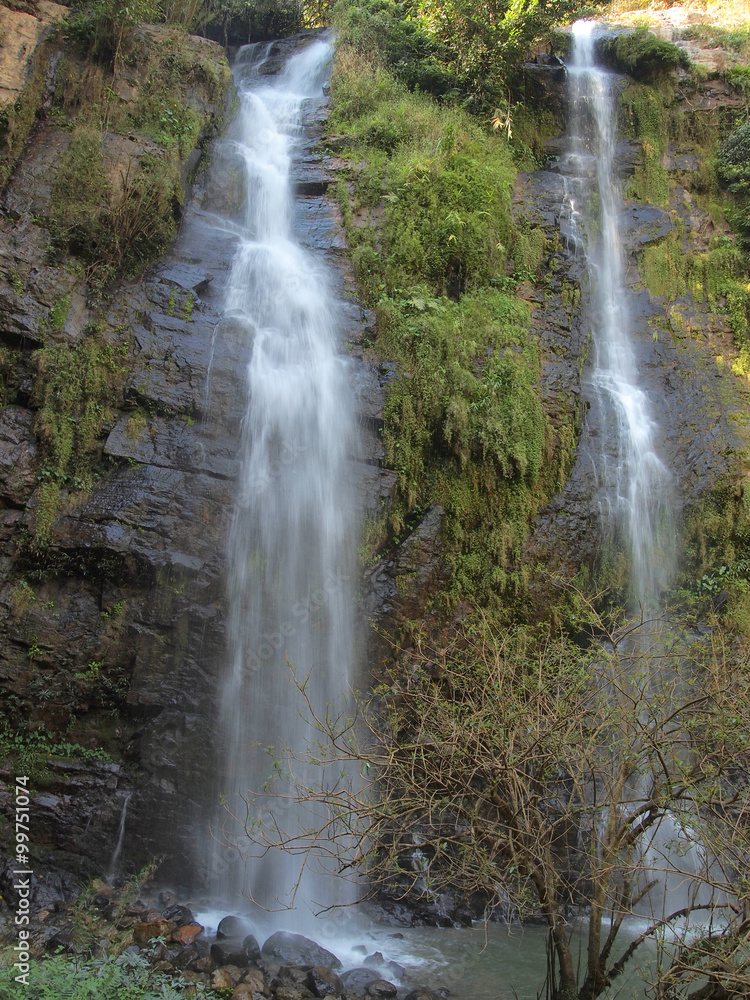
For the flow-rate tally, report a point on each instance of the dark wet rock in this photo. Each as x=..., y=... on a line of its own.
x=643, y=224
x=383, y=966
x=398, y=587
x=229, y=952
x=251, y=948
x=381, y=989
x=298, y=950
x=356, y=981
x=233, y=927
x=323, y=982
x=18, y=447
x=181, y=915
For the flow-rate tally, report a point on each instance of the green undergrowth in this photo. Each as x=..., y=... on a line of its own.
x=114, y=228
x=641, y=54
x=76, y=388
x=644, y=115
x=717, y=278
x=114, y=203
x=427, y=213
x=717, y=549
x=735, y=39
x=29, y=751
x=99, y=962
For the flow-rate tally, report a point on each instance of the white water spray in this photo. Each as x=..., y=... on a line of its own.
x=292, y=535
x=636, y=483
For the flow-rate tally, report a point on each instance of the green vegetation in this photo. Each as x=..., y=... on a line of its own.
x=127, y=977
x=29, y=750
x=717, y=277
x=429, y=226
x=644, y=116
x=75, y=388
x=733, y=161
x=98, y=966
x=115, y=232
x=736, y=39
x=641, y=54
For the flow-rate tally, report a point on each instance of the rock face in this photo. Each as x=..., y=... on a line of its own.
x=694, y=401
x=114, y=627
x=23, y=29
x=102, y=624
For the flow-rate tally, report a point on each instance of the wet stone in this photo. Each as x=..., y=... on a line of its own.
x=380, y=989
x=298, y=950
x=322, y=982
x=233, y=927
x=356, y=981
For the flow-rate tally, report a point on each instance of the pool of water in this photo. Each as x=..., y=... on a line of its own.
x=493, y=962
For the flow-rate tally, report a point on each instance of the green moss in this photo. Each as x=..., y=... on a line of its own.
x=717, y=542
x=642, y=54
x=529, y=251
x=75, y=388
x=663, y=268
x=115, y=232
x=59, y=313
x=429, y=224
x=644, y=116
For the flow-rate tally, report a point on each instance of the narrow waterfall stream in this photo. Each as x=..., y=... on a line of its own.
x=635, y=483
x=292, y=535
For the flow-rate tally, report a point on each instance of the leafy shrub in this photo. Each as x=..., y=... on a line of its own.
x=733, y=162
x=115, y=232
x=642, y=54
x=464, y=426
x=127, y=977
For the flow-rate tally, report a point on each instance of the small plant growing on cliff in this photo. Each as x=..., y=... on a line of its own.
x=21, y=598
x=75, y=388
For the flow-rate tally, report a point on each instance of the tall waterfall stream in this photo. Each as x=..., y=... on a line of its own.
x=292, y=538
x=635, y=483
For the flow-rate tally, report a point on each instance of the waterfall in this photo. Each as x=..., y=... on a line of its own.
x=635, y=483
x=114, y=860
x=291, y=540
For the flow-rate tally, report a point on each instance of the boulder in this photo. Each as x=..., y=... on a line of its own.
x=234, y=928
x=356, y=981
x=322, y=982
x=298, y=950
x=381, y=989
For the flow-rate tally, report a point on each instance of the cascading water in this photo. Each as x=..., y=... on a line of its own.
x=114, y=860
x=636, y=484
x=291, y=539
